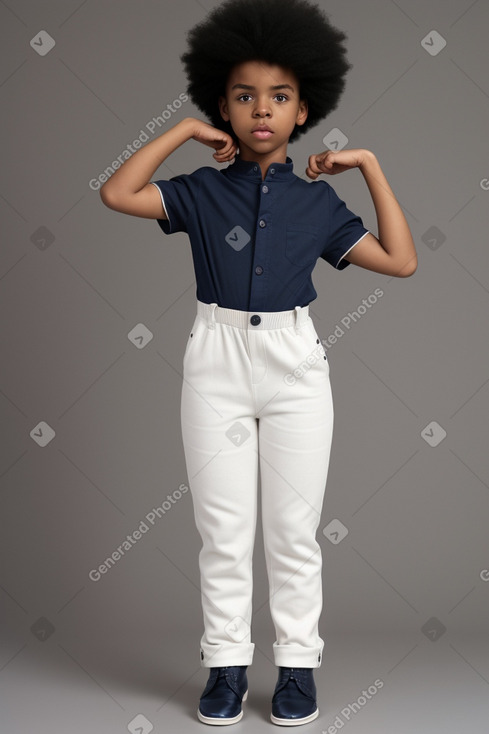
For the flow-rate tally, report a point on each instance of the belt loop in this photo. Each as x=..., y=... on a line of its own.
x=212, y=319
x=301, y=313
x=297, y=310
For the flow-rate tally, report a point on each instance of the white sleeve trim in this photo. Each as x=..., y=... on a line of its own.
x=351, y=248
x=162, y=200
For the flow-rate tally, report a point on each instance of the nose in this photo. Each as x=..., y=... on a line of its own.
x=262, y=108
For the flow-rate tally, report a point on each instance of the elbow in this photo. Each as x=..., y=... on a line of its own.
x=407, y=273
x=104, y=195
x=412, y=268
x=107, y=198
x=408, y=269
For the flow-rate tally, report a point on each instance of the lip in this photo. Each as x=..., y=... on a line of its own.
x=262, y=132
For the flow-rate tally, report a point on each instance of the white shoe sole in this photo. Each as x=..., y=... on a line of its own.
x=216, y=721
x=295, y=722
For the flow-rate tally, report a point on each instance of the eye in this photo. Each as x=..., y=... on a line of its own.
x=282, y=95
x=244, y=95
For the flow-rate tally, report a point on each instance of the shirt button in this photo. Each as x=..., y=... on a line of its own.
x=265, y=189
x=255, y=168
x=272, y=171
x=258, y=270
x=255, y=320
x=263, y=223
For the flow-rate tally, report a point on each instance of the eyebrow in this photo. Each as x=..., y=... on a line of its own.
x=276, y=86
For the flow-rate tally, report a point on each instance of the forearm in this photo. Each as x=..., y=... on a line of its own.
x=137, y=171
x=393, y=230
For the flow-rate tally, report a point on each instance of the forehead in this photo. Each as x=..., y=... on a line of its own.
x=261, y=74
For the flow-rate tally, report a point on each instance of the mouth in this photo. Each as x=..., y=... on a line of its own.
x=262, y=133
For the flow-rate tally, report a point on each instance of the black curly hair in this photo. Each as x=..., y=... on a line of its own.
x=294, y=34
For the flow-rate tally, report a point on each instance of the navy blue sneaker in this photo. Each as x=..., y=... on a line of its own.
x=220, y=702
x=294, y=698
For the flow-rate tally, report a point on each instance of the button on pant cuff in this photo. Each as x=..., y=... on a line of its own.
x=297, y=656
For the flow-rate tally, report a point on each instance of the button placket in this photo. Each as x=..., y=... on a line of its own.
x=258, y=285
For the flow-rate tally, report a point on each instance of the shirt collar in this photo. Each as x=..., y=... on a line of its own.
x=251, y=170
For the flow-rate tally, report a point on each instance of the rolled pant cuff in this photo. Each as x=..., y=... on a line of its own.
x=217, y=656
x=297, y=656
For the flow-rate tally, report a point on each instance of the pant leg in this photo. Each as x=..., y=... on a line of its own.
x=219, y=435
x=295, y=435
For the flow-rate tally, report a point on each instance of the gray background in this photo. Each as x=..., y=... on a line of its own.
x=406, y=591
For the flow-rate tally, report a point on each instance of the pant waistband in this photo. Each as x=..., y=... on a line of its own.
x=251, y=320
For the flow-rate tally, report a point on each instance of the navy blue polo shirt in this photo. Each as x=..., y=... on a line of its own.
x=255, y=242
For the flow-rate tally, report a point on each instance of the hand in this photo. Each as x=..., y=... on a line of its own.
x=333, y=162
x=223, y=143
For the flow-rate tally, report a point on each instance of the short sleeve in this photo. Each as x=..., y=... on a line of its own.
x=178, y=196
x=345, y=230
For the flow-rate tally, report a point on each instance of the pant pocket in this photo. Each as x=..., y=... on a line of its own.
x=198, y=328
x=316, y=344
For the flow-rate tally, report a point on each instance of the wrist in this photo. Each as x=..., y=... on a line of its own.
x=188, y=125
x=369, y=160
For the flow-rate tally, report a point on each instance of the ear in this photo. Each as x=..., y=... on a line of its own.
x=302, y=113
x=223, y=109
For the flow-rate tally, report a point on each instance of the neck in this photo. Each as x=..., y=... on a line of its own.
x=264, y=160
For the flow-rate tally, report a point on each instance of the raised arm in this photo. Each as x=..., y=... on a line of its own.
x=129, y=189
x=393, y=253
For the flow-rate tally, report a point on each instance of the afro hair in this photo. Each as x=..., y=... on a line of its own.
x=294, y=34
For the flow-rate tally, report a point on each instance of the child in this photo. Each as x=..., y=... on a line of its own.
x=256, y=392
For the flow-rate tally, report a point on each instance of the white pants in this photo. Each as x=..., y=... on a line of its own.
x=257, y=395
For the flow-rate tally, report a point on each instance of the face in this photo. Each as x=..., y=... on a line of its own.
x=265, y=96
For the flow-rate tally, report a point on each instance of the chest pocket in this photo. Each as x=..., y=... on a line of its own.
x=301, y=243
